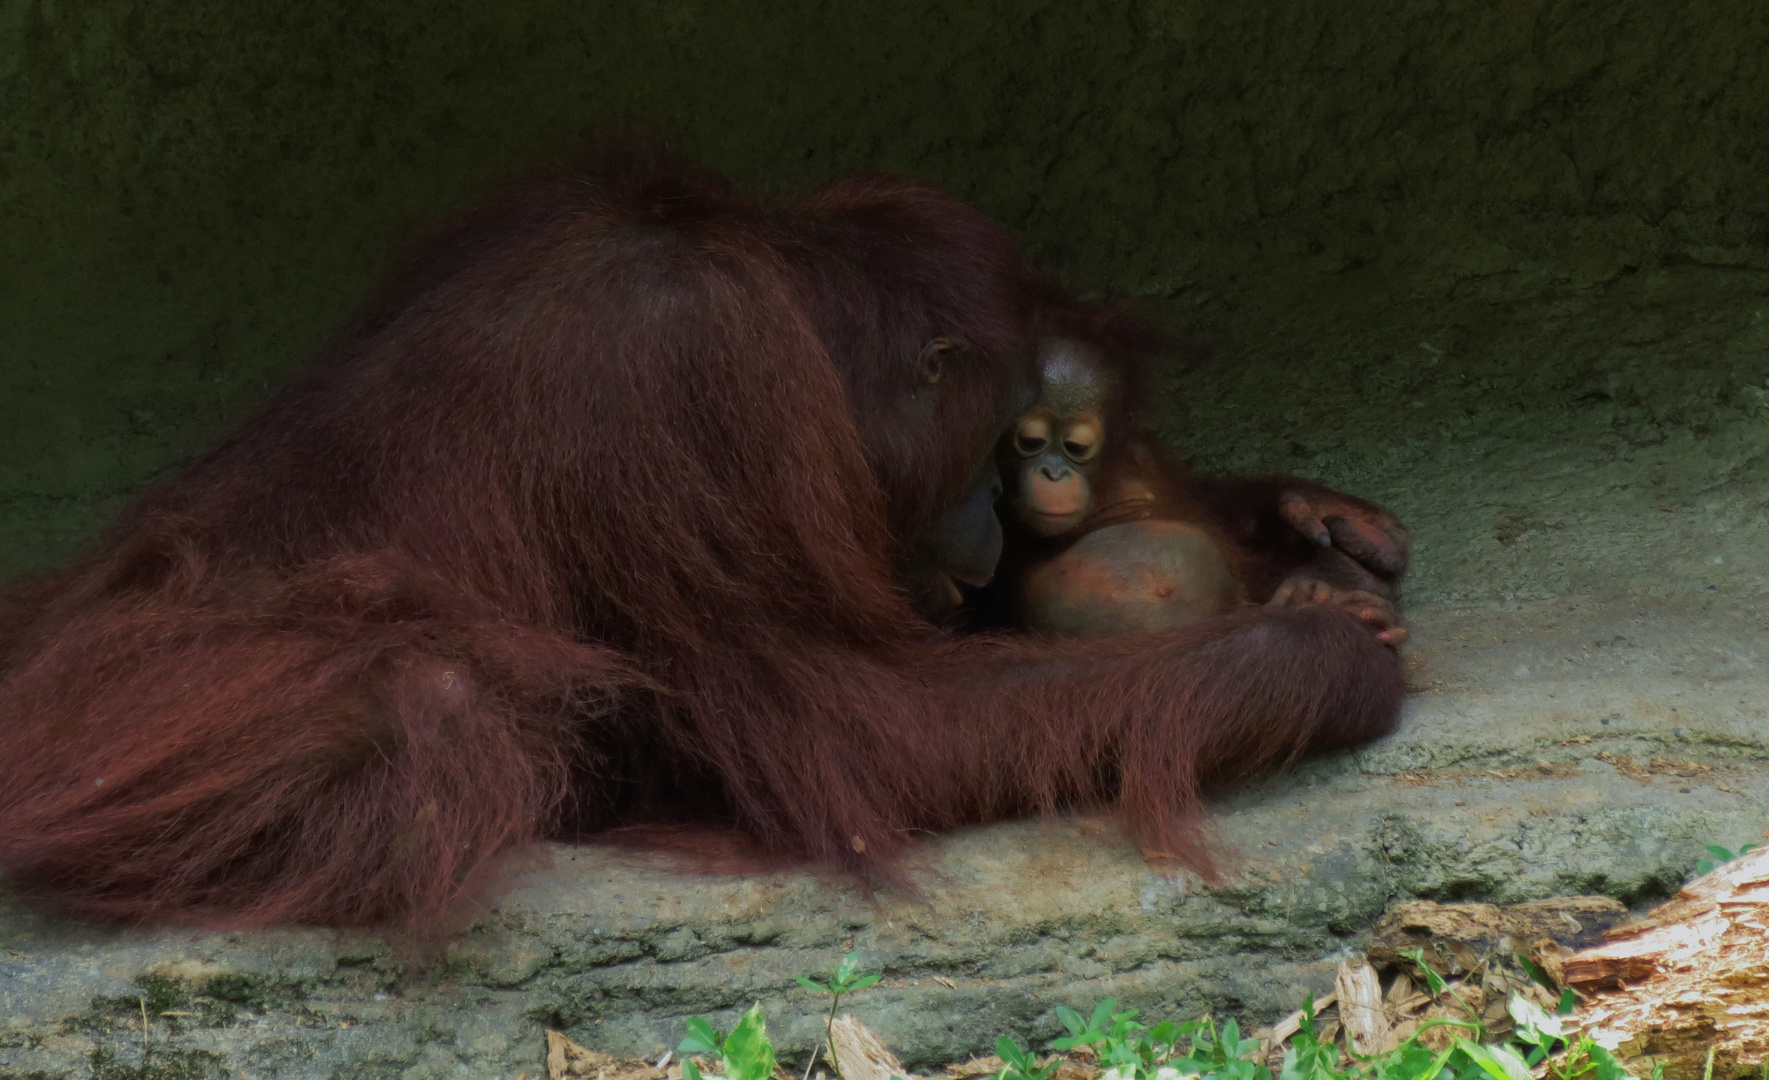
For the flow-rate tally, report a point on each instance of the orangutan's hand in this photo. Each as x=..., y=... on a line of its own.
x=1366, y=532
x=1375, y=612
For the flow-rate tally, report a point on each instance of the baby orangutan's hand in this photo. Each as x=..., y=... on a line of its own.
x=1375, y=612
x=1361, y=529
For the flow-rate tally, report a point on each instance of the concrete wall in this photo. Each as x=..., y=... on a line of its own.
x=192, y=194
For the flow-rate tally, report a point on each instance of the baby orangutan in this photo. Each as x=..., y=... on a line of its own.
x=1106, y=535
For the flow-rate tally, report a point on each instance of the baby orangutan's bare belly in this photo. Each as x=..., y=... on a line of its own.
x=1142, y=575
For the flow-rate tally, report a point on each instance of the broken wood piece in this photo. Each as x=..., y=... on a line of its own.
x=862, y=1055
x=1366, y=1025
x=1456, y=937
x=566, y=1060
x=1690, y=977
x=1281, y=1031
x=1400, y=991
x=977, y=1066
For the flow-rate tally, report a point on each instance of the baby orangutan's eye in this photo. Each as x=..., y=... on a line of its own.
x=1031, y=437
x=1082, y=441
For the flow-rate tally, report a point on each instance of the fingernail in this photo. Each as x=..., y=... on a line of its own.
x=1323, y=539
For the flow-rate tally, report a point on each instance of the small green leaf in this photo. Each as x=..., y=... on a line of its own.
x=1070, y=1019
x=813, y=984
x=1432, y=978
x=845, y=970
x=749, y=1053
x=1720, y=853
x=863, y=983
x=1124, y=1023
x=702, y=1039
x=1436, y=1068
x=1607, y=1067
x=1534, y=971
x=1568, y=1002
x=1534, y=1020
x=690, y=1071
x=1496, y=1061
x=1008, y=1050
x=1413, y=1060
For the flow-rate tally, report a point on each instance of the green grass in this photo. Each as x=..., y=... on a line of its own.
x=1125, y=1048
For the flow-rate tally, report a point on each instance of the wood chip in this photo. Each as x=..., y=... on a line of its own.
x=863, y=1055
x=1360, y=1007
x=1666, y=766
x=566, y=1059
x=1626, y=765
x=563, y=1056
x=980, y=1066
x=1290, y=1025
x=1400, y=990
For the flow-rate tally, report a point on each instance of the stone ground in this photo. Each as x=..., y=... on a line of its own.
x=1586, y=468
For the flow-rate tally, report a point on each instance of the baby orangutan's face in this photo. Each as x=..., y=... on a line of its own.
x=1050, y=458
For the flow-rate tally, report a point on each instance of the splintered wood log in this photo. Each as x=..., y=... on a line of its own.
x=1457, y=938
x=864, y=1056
x=1359, y=992
x=1690, y=977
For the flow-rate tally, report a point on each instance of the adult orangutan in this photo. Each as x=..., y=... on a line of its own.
x=610, y=510
x=1108, y=535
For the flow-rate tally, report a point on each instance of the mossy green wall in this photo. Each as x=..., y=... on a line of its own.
x=192, y=193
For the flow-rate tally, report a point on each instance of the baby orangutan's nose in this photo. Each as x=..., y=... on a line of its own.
x=1054, y=471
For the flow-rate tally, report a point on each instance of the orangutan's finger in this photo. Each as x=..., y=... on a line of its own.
x=1301, y=515
x=1369, y=543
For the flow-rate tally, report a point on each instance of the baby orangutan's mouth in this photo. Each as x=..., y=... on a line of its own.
x=1045, y=523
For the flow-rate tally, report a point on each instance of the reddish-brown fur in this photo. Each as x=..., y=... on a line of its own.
x=596, y=519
